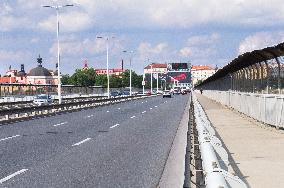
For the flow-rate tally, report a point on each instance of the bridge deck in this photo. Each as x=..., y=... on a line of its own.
x=256, y=151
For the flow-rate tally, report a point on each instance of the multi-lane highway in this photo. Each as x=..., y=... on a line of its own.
x=121, y=145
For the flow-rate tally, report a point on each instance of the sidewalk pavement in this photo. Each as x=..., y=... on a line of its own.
x=256, y=151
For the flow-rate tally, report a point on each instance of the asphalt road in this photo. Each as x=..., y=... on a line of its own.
x=121, y=145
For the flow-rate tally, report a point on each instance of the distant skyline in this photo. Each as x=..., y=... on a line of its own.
x=203, y=32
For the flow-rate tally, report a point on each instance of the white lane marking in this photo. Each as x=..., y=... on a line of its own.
x=133, y=117
x=156, y=106
x=114, y=126
x=90, y=116
x=107, y=111
x=12, y=175
x=77, y=144
x=142, y=102
x=118, y=108
x=143, y=112
x=9, y=137
x=60, y=124
x=151, y=108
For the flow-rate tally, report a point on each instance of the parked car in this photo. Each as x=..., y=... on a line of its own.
x=140, y=93
x=125, y=93
x=167, y=93
x=115, y=94
x=148, y=93
x=42, y=99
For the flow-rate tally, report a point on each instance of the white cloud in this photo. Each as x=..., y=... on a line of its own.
x=10, y=56
x=68, y=22
x=186, y=51
x=151, y=14
x=91, y=47
x=200, y=46
x=203, y=39
x=196, y=52
x=146, y=49
x=260, y=40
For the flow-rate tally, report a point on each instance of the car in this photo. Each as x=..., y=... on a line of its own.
x=176, y=91
x=42, y=99
x=115, y=94
x=159, y=92
x=140, y=93
x=183, y=92
x=125, y=93
x=148, y=93
x=167, y=93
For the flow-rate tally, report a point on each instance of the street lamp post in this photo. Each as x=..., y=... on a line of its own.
x=151, y=78
x=57, y=8
x=107, y=49
x=143, y=84
x=157, y=81
x=130, y=72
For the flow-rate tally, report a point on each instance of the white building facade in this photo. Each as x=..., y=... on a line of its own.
x=201, y=72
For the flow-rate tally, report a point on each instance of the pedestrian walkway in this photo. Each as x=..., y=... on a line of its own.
x=256, y=151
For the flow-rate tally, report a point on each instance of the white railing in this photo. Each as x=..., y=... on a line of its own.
x=215, y=168
x=267, y=108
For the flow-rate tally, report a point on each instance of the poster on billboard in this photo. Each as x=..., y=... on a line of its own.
x=181, y=77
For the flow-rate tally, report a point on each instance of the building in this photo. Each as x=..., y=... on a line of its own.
x=38, y=75
x=41, y=75
x=201, y=72
x=116, y=72
x=156, y=68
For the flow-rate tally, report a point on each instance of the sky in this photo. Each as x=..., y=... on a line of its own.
x=202, y=32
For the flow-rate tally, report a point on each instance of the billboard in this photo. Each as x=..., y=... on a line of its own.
x=178, y=66
x=181, y=77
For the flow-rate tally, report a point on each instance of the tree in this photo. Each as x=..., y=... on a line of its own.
x=83, y=77
x=136, y=79
x=115, y=81
x=101, y=80
x=65, y=79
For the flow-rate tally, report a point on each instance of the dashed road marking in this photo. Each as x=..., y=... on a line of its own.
x=143, y=112
x=156, y=106
x=12, y=175
x=10, y=137
x=151, y=108
x=133, y=117
x=118, y=108
x=114, y=126
x=81, y=142
x=107, y=111
x=60, y=124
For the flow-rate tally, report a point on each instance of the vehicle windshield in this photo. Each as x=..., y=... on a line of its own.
x=42, y=97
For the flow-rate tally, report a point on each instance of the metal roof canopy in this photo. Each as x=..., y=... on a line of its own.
x=247, y=59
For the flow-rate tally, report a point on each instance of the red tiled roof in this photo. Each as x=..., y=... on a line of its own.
x=113, y=70
x=7, y=80
x=201, y=67
x=154, y=65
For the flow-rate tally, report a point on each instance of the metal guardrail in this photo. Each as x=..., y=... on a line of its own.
x=215, y=168
x=22, y=104
x=15, y=114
